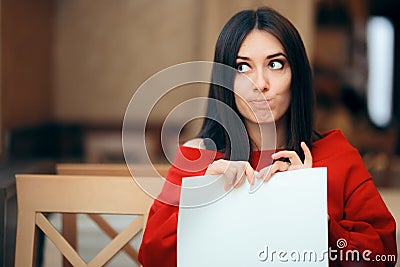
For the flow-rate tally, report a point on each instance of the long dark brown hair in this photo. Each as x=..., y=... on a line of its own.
x=301, y=111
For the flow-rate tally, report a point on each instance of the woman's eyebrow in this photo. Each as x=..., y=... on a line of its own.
x=241, y=57
x=268, y=57
x=276, y=55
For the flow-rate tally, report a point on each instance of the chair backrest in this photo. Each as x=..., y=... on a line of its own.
x=37, y=194
x=69, y=228
x=111, y=169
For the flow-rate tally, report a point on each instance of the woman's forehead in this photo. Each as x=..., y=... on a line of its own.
x=260, y=42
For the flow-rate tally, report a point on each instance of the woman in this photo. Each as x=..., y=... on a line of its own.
x=266, y=48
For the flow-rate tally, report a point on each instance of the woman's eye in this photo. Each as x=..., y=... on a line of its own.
x=275, y=65
x=243, y=68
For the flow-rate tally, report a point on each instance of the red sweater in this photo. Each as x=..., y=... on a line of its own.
x=357, y=211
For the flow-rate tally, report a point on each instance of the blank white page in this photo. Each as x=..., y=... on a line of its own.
x=283, y=223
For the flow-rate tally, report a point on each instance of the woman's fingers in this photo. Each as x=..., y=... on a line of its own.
x=294, y=159
x=291, y=155
x=238, y=175
x=249, y=173
x=263, y=172
x=307, y=155
x=234, y=172
x=275, y=167
x=242, y=169
x=294, y=163
x=217, y=167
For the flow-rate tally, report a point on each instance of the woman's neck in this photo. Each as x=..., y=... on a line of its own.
x=266, y=136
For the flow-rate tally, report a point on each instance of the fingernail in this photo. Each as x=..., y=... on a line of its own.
x=273, y=155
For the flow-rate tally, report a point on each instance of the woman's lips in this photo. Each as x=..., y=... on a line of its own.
x=260, y=103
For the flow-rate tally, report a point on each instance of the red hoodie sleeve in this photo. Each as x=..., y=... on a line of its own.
x=367, y=226
x=359, y=219
x=158, y=247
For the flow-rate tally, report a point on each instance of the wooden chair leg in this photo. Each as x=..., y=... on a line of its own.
x=69, y=231
x=25, y=239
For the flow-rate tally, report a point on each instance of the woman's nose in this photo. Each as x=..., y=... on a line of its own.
x=261, y=81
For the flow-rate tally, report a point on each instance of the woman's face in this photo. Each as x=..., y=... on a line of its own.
x=262, y=59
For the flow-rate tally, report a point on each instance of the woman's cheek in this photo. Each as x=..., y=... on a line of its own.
x=243, y=86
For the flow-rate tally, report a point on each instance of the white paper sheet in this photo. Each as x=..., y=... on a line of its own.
x=283, y=223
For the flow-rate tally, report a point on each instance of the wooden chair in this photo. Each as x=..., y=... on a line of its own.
x=38, y=194
x=69, y=220
x=110, y=169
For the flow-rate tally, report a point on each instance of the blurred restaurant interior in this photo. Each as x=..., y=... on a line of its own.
x=69, y=69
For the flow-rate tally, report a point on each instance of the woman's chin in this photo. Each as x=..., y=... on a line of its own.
x=263, y=120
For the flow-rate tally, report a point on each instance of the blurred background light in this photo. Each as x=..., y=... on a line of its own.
x=380, y=53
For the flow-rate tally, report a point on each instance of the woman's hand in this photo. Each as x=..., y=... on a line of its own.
x=293, y=164
x=234, y=171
